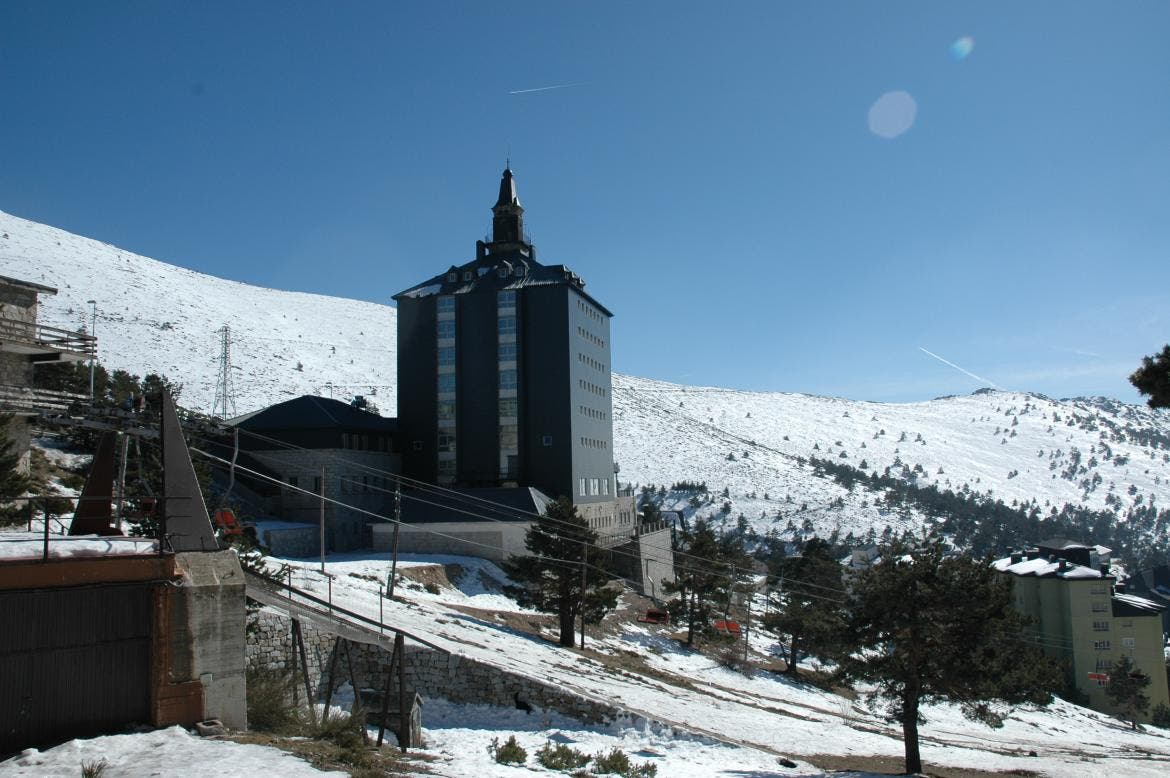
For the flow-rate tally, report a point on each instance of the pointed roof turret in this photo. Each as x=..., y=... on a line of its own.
x=507, y=213
x=507, y=190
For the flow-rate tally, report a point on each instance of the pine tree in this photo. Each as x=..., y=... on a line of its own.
x=559, y=541
x=812, y=613
x=13, y=483
x=1153, y=379
x=702, y=579
x=927, y=627
x=1127, y=690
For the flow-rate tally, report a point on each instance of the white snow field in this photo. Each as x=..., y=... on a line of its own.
x=171, y=752
x=154, y=317
x=695, y=693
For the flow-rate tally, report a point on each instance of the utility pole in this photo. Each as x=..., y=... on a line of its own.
x=397, y=528
x=92, y=334
x=584, y=557
x=224, y=404
x=322, y=518
x=122, y=479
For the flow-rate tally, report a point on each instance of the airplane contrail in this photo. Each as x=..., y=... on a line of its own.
x=546, y=88
x=961, y=370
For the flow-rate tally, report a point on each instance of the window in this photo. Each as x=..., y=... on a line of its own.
x=446, y=411
x=445, y=329
x=446, y=441
x=546, y=440
x=509, y=436
x=292, y=480
x=605, y=486
x=446, y=356
x=1099, y=589
x=507, y=379
x=1104, y=664
x=446, y=467
x=447, y=382
x=452, y=277
x=1128, y=642
x=1100, y=626
x=581, y=487
x=446, y=304
x=507, y=352
x=509, y=407
x=502, y=271
x=594, y=488
x=416, y=445
x=507, y=325
x=316, y=484
x=467, y=275
x=1100, y=607
x=1101, y=645
x=507, y=299
x=518, y=270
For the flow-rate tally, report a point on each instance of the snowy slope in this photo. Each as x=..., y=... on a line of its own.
x=1016, y=447
x=154, y=317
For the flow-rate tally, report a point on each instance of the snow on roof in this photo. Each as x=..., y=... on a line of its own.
x=1041, y=566
x=1138, y=603
x=16, y=546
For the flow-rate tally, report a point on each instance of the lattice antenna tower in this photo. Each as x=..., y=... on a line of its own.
x=225, y=404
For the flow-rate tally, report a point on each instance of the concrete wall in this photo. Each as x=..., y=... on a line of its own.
x=211, y=617
x=489, y=540
x=432, y=674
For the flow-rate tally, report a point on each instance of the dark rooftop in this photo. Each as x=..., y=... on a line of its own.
x=310, y=412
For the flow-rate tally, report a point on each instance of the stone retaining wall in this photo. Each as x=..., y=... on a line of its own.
x=431, y=673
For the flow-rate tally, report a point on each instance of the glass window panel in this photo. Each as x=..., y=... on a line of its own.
x=446, y=328
x=509, y=407
x=507, y=325
x=446, y=356
x=507, y=352
x=446, y=304
x=447, y=382
x=507, y=379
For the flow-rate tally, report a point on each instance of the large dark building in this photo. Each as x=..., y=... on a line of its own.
x=504, y=376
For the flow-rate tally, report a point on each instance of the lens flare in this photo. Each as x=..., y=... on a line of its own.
x=892, y=114
x=962, y=48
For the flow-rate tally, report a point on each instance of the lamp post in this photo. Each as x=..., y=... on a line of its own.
x=92, y=334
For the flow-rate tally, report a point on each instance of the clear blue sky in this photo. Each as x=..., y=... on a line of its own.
x=712, y=174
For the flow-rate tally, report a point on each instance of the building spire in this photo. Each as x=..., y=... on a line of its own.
x=507, y=213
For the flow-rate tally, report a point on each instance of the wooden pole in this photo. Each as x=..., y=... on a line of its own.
x=322, y=518
x=334, y=655
x=386, y=693
x=305, y=671
x=581, y=606
x=397, y=528
x=122, y=479
x=403, y=704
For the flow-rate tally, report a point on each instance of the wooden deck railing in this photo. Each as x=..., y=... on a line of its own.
x=47, y=337
x=28, y=399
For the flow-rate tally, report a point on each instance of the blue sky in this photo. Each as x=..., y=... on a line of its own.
x=713, y=174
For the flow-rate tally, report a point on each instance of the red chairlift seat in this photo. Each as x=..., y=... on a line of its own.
x=727, y=627
x=655, y=616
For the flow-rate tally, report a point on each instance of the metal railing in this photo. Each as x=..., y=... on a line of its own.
x=44, y=336
x=32, y=399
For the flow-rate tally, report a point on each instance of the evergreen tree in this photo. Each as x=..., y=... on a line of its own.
x=13, y=483
x=1153, y=379
x=702, y=579
x=559, y=541
x=812, y=613
x=926, y=627
x=1126, y=689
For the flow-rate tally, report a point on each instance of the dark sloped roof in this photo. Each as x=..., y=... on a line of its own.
x=309, y=412
x=520, y=503
x=28, y=285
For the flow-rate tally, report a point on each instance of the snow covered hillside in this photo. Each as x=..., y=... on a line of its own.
x=154, y=317
x=157, y=318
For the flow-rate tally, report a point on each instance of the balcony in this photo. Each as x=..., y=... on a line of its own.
x=25, y=400
x=41, y=343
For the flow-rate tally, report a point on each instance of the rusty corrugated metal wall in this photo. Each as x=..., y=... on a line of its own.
x=74, y=662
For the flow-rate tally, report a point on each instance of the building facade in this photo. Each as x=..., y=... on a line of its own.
x=1081, y=619
x=24, y=343
x=504, y=368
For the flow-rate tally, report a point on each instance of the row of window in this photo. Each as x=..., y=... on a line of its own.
x=592, y=413
x=595, y=487
x=594, y=443
x=1100, y=626
x=445, y=329
x=445, y=442
x=589, y=336
x=1099, y=607
x=363, y=442
x=508, y=378
x=1101, y=645
x=585, y=359
x=589, y=311
x=600, y=391
x=445, y=305
x=446, y=383
x=506, y=325
x=506, y=299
